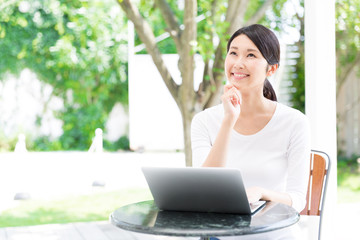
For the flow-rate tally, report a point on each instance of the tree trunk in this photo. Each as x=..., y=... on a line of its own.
x=186, y=118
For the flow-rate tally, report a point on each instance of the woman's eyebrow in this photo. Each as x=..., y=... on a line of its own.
x=248, y=50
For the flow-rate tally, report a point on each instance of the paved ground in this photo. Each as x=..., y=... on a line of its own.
x=75, y=231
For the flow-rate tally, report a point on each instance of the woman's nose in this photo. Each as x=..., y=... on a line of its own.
x=239, y=63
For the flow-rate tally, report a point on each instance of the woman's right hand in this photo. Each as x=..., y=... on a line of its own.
x=231, y=100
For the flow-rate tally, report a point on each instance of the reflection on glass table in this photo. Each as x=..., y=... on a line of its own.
x=145, y=217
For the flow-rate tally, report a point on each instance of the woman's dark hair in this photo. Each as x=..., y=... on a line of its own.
x=268, y=44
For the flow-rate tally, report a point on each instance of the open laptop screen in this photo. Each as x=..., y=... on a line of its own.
x=198, y=189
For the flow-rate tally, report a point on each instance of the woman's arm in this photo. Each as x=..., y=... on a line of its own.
x=218, y=153
x=299, y=163
x=255, y=194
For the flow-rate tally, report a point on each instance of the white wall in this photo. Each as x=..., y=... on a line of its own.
x=21, y=100
x=155, y=121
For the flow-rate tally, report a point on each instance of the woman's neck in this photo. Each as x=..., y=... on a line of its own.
x=252, y=105
x=255, y=114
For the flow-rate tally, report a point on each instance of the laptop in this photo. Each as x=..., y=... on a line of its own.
x=218, y=190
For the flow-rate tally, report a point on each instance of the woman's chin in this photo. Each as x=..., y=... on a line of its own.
x=236, y=85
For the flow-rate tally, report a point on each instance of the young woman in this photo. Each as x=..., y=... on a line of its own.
x=268, y=141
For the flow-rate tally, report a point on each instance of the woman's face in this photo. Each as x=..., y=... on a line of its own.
x=245, y=66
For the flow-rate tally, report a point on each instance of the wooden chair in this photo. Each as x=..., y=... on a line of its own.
x=319, y=172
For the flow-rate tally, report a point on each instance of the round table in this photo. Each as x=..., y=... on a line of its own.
x=145, y=217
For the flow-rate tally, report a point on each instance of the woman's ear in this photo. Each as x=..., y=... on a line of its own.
x=272, y=69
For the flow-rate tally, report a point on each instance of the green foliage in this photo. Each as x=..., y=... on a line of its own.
x=79, y=47
x=345, y=161
x=5, y=143
x=121, y=143
x=43, y=143
x=297, y=78
x=347, y=32
x=78, y=121
x=347, y=22
x=295, y=68
x=210, y=28
x=153, y=16
x=215, y=27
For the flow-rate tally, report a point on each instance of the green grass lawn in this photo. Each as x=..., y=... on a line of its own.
x=348, y=176
x=93, y=207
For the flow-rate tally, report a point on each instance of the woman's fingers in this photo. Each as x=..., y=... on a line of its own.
x=227, y=87
x=231, y=102
x=231, y=93
x=254, y=194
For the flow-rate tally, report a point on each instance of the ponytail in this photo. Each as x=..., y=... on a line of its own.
x=269, y=91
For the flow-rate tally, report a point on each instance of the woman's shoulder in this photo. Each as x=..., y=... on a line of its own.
x=214, y=111
x=292, y=115
x=289, y=111
x=210, y=115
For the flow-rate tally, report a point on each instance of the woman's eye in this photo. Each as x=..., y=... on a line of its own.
x=251, y=55
x=232, y=53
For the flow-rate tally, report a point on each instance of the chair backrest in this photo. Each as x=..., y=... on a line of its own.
x=319, y=171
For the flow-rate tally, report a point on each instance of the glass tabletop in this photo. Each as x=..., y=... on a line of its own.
x=145, y=217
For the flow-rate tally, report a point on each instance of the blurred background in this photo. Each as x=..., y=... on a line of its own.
x=68, y=68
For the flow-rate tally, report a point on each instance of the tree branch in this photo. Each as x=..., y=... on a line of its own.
x=172, y=23
x=231, y=10
x=204, y=92
x=236, y=14
x=217, y=77
x=147, y=37
x=213, y=10
x=213, y=7
x=260, y=12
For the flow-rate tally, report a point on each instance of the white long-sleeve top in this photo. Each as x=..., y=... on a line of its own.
x=276, y=158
